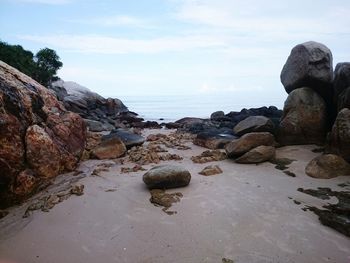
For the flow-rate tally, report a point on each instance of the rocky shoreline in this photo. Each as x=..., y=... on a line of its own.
x=47, y=132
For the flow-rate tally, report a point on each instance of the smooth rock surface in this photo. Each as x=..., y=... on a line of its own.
x=304, y=119
x=341, y=82
x=309, y=64
x=327, y=166
x=249, y=141
x=254, y=124
x=258, y=155
x=167, y=176
x=213, y=139
x=211, y=170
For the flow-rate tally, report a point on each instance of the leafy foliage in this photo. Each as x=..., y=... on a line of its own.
x=42, y=67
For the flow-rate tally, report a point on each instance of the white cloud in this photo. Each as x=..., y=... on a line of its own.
x=48, y=2
x=114, y=45
x=113, y=21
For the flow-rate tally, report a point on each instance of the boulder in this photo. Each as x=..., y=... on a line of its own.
x=341, y=83
x=128, y=138
x=258, y=155
x=309, y=64
x=327, y=166
x=344, y=100
x=213, y=139
x=167, y=176
x=109, y=149
x=39, y=138
x=339, y=141
x=304, y=119
x=97, y=126
x=211, y=170
x=247, y=142
x=254, y=124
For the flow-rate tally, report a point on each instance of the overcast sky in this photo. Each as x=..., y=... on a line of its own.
x=160, y=47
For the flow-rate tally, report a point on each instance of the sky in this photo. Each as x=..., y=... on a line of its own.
x=171, y=47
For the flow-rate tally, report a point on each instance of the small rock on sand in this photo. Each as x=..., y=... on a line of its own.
x=211, y=170
x=327, y=166
x=167, y=176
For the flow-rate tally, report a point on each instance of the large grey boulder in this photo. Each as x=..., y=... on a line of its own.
x=339, y=142
x=254, y=124
x=257, y=155
x=304, y=119
x=167, y=176
x=309, y=64
x=247, y=142
x=327, y=166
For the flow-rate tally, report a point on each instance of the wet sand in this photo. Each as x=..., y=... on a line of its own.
x=246, y=214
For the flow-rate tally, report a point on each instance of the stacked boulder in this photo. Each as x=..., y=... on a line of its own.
x=39, y=138
x=317, y=108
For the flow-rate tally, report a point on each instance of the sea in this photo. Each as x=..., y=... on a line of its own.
x=171, y=108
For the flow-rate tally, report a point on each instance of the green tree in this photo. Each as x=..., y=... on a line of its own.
x=18, y=58
x=47, y=63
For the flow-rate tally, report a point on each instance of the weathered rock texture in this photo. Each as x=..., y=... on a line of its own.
x=340, y=136
x=327, y=166
x=309, y=64
x=247, y=142
x=304, y=119
x=258, y=155
x=342, y=85
x=254, y=124
x=39, y=138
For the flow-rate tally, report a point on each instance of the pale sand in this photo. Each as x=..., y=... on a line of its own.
x=243, y=214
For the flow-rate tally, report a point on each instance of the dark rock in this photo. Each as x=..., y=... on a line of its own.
x=213, y=139
x=254, y=124
x=217, y=115
x=247, y=142
x=128, y=138
x=173, y=125
x=304, y=119
x=344, y=100
x=97, y=126
x=339, y=142
x=327, y=166
x=309, y=64
x=341, y=81
x=167, y=176
x=257, y=155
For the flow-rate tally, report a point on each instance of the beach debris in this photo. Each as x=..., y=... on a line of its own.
x=227, y=260
x=133, y=169
x=160, y=198
x=336, y=216
x=145, y=155
x=175, y=140
x=209, y=156
x=281, y=163
x=167, y=176
x=211, y=170
x=289, y=173
x=47, y=202
x=102, y=167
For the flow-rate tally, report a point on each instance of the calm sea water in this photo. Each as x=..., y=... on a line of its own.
x=171, y=108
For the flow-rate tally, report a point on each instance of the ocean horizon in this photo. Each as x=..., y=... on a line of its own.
x=174, y=107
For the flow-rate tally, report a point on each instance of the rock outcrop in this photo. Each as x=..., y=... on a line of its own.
x=257, y=155
x=39, y=138
x=327, y=166
x=342, y=85
x=309, y=64
x=339, y=141
x=247, y=142
x=304, y=119
x=254, y=124
x=167, y=176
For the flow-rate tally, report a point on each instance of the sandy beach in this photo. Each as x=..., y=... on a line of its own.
x=246, y=214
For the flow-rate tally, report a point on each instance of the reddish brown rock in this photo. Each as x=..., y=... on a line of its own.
x=327, y=166
x=39, y=138
x=109, y=149
x=211, y=170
